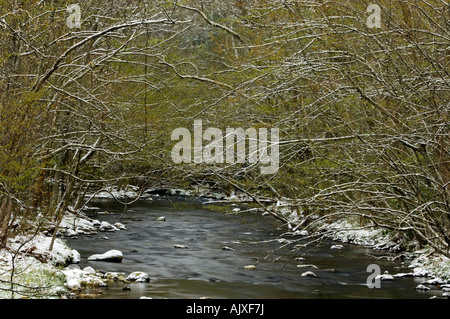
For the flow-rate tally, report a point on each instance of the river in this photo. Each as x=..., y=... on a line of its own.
x=205, y=269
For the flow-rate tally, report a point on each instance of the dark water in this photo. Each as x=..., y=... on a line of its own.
x=206, y=270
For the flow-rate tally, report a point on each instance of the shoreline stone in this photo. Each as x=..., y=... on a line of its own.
x=109, y=256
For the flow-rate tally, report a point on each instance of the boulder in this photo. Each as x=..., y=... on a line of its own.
x=138, y=276
x=89, y=270
x=76, y=257
x=308, y=266
x=422, y=288
x=120, y=226
x=308, y=274
x=420, y=272
x=434, y=281
x=73, y=266
x=385, y=276
x=96, y=223
x=109, y=256
x=401, y=275
x=73, y=284
x=177, y=246
x=119, y=276
x=300, y=233
x=105, y=226
x=71, y=233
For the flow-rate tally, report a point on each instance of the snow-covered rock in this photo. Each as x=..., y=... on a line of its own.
x=105, y=226
x=73, y=284
x=401, y=275
x=120, y=226
x=109, y=256
x=178, y=246
x=300, y=233
x=420, y=272
x=76, y=257
x=131, y=192
x=138, y=276
x=89, y=270
x=434, y=281
x=39, y=245
x=385, y=276
x=74, y=225
x=422, y=288
x=336, y=247
x=284, y=241
x=307, y=266
x=96, y=223
x=77, y=278
x=309, y=274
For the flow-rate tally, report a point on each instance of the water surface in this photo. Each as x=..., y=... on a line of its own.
x=205, y=269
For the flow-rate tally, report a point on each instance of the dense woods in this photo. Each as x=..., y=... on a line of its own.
x=363, y=110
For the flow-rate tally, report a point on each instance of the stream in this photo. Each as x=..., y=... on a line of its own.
x=205, y=269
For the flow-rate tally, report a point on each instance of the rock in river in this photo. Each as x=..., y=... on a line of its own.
x=138, y=276
x=300, y=233
x=177, y=246
x=105, y=226
x=385, y=276
x=308, y=274
x=422, y=288
x=109, y=256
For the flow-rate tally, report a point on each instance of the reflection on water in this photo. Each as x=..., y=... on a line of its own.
x=207, y=270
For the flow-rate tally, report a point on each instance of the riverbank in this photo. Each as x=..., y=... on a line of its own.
x=41, y=274
x=422, y=261
x=28, y=269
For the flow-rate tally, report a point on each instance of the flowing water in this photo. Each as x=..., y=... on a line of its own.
x=205, y=269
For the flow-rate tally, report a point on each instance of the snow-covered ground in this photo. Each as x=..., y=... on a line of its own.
x=424, y=262
x=35, y=269
x=41, y=273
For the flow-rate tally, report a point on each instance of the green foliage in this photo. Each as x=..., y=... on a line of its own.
x=363, y=112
